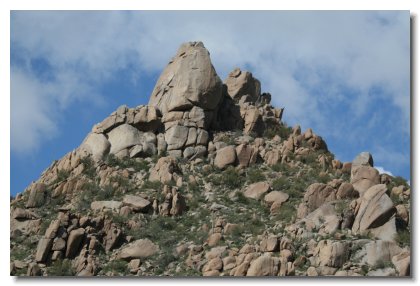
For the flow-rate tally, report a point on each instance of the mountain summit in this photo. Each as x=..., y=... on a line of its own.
x=206, y=180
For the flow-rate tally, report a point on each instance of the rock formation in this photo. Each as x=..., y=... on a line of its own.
x=207, y=180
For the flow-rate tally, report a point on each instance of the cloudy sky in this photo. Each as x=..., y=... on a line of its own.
x=344, y=74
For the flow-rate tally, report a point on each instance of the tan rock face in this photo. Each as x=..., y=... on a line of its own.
x=225, y=156
x=163, y=170
x=262, y=266
x=189, y=79
x=364, y=177
x=141, y=248
x=257, y=190
x=246, y=155
x=276, y=196
x=124, y=136
x=176, y=137
x=375, y=210
x=401, y=262
x=137, y=203
x=74, y=241
x=318, y=194
x=43, y=249
x=105, y=205
x=240, y=83
x=97, y=145
x=363, y=159
x=36, y=195
x=332, y=253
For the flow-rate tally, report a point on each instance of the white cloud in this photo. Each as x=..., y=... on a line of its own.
x=291, y=53
x=383, y=171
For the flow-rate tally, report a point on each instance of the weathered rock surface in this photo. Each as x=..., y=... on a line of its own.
x=257, y=190
x=141, y=248
x=189, y=79
x=375, y=210
x=225, y=156
x=242, y=83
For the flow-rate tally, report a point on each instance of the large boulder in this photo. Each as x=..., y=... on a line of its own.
x=43, y=249
x=263, y=266
x=123, y=137
x=253, y=120
x=176, y=137
x=246, y=155
x=189, y=79
x=163, y=170
x=364, y=177
x=137, y=203
x=105, y=205
x=74, y=241
x=332, y=253
x=37, y=195
x=242, y=83
x=147, y=118
x=225, y=156
x=376, y=251
x=257, y=190
x=376, y=210
x=324, y=218
x=97, y=145
x=141, y=248
x=318, y=194
x=363, y=159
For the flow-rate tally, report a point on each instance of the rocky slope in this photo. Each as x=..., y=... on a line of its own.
x=206, y=180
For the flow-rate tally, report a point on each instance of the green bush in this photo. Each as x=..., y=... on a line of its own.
x=282, y=130
x=286, y=213
x=62, y=175
x=137, y=164
x=117, y=267
x=229, y=178
x=89, y=167
x=155, y=185
x=240, y=198
x=255, y=175
x=280, y=184
x=61, y=268
x=403, y=237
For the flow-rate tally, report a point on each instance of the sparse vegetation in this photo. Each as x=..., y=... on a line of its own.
x=255, y=175
x=61, y=268
x=138, y=164
x=117, y=267
x=229, y=178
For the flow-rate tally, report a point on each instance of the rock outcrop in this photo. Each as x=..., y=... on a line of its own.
x=207, y=180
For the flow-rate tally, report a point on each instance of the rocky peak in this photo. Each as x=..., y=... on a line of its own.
x=251, y=196
x=188, y=80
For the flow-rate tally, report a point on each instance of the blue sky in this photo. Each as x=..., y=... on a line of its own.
x=344, y=74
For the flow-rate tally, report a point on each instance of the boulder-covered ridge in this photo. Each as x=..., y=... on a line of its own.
x=207, y=180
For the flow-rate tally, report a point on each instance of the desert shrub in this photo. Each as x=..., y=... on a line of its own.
x=106, y=193
x=229, y=178
x=61, y=268
x=155, y=185
x=282, y=130
x=137, y=164
x=286, y=213
x=117, y=267
x=280, y=184
x=20, y=253
x=62, y=175
x=255, y=175
x=403, y=237
x=89, y=167
x=398, y=181
x=240, y=198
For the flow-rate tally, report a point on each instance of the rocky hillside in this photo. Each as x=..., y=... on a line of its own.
x=206, y=180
